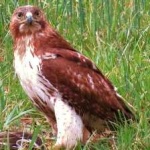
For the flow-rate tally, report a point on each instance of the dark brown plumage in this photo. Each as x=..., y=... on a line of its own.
x=66, y=86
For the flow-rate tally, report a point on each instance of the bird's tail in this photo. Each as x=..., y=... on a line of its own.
x=128, y=111
x=18, y=140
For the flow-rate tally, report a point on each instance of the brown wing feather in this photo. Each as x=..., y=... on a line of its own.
x=82, y=85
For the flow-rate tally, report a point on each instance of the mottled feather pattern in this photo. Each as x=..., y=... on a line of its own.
x=80, y=82
x=74, y=95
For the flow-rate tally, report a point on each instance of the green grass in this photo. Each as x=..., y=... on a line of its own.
x=114, y=34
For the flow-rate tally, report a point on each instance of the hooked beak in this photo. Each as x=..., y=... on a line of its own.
x=29, y=18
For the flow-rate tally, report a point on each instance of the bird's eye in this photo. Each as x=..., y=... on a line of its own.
x=20, y=15
x=37, y=13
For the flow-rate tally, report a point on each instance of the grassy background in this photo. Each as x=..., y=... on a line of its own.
x=114, y=34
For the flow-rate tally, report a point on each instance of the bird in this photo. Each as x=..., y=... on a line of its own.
x=66, y=86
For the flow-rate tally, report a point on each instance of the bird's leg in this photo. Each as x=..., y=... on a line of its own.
x=86, y=135
x=53, y=125
x=69, y=124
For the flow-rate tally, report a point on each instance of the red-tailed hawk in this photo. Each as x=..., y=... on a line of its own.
x=66, y=86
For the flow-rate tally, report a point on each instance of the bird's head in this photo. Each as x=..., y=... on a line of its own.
x=27, y=20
